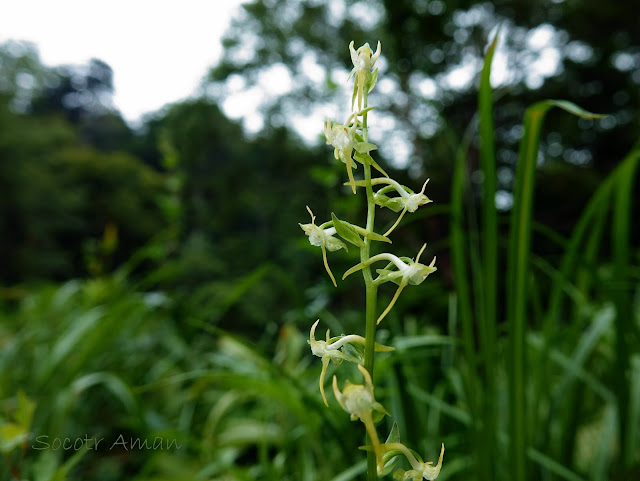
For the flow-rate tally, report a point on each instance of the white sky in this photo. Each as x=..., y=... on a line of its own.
x=158, y=50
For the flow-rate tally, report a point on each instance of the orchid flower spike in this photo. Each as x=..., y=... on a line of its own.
x=421, y=470
x=359, y=402
x=323, y=237
x=363, y=61
x=334, y=349
x=408, y=272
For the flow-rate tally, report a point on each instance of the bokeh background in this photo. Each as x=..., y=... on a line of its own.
x=155, y=283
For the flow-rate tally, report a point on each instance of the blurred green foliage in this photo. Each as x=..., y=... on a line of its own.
x=155, y=283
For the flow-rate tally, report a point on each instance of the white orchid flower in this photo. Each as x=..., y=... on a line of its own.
x=408, y=272
x=342, y=139
x=363, y=61
x=323, y=237
x=333, y=349
x=421, y=470
x=406, y=201
x=359, y=402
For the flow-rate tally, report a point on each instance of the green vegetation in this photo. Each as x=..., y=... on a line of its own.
x=156, y=292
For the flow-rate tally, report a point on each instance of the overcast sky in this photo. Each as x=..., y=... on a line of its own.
x=159, y=50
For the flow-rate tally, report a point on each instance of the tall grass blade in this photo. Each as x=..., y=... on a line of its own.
x=352, y=473
x=490, y=221
x=463, y=281
x=458, y=242
x=518, y=274
x=553, y=466
x=623, y=301
x=488, y=319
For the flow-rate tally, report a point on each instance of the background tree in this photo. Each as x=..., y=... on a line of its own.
x=58, y=191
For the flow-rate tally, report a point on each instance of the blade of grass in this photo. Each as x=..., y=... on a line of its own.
x=601, y=464
x=622, y=299
x=594, y=210
x=561, y=360
x=518, y=274
x=562, y=287
x=490, y=220
x=464, y=281
x=488, y=319
x=634, y=403
x=587, y=342
x=589, y=231
x=458, y=242
x=553, y=466
x=453, y=412
x=353, y=472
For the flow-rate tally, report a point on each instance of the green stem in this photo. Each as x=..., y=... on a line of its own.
x=371, y=290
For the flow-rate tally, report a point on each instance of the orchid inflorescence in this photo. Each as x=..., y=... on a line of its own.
x=351, y=147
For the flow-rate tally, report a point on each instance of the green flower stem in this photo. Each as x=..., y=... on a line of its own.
x=371, y=290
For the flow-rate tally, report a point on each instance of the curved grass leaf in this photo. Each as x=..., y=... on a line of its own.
x=518, y=271
x=488, y=318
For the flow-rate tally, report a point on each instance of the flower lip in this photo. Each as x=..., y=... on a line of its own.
x=417, y=273
x=341, y=138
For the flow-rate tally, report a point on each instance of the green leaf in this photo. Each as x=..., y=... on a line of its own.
x=371, y=80
x=25, y=410
x=371, y=235
x=394, y=435
x=354, y=351
x=487, y=325
x=389, y=275
x=393, y=203
x=11, y=436
x=62, y=473
x=362, y=112
x=362, y=158
x=573, y=109
x=382, y=348
x=364, y=147
x=346, y=231
x=355, y=268
x=112, y=383
x=518, y=266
